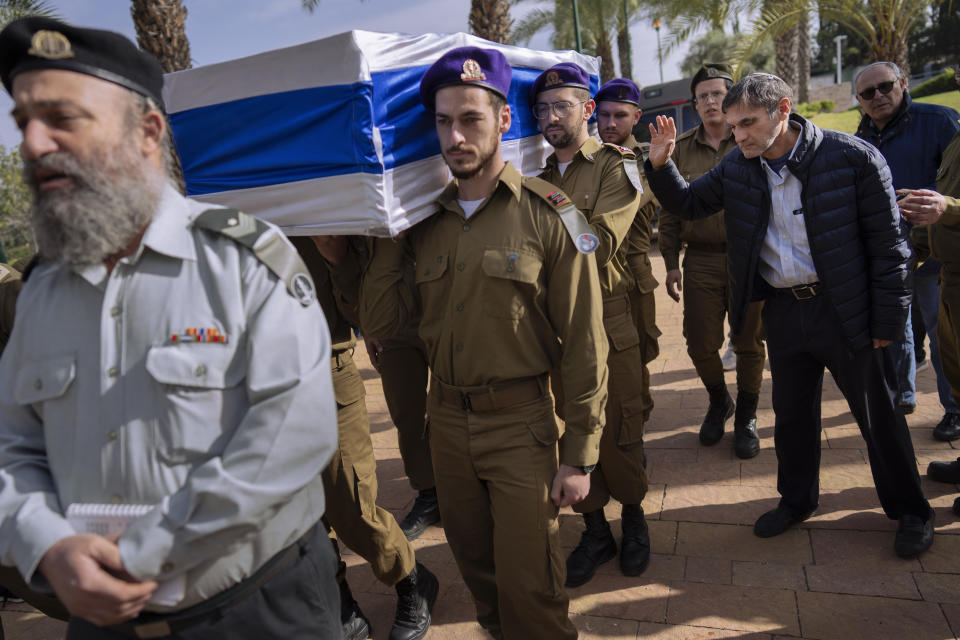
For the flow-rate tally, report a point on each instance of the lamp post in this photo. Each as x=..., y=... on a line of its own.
x=576, y=27
x=656, y=25
x=838, y=40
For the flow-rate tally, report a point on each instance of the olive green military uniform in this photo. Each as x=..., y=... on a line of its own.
x=493, y=329
x=598, y=185
x=404, y=375
x=642, y=299
x=705, y=284
x=350, y=480
x=945, y=246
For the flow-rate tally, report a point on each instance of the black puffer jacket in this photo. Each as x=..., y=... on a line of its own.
x=852, y=222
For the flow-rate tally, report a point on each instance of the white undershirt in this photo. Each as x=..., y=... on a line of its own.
x=469, y=206
x=563, y=167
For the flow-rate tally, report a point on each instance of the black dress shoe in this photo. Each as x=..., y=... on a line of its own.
x=746, y=442
x=778, y=520
x=425, y=512
x=720, y=409
x=908, y=407
x=914, y=535
x=635, y=544
x=356, y=627
x=945, y=471
x=596, y=547
x=416, y=595
x=948, y=429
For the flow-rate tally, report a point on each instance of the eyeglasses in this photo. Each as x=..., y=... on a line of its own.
x=713, y=95
x=560, y=109
x=884, y=88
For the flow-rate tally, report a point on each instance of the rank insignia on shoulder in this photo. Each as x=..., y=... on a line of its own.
x=558, y=198
x=200, y=335
x=301, y=287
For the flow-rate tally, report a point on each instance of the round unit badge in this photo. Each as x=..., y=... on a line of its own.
x=301, y=286
x=587, y=243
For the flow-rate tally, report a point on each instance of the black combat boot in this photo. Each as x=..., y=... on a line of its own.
x=425, y=512
x=596, y=547
x=635, y=545
x=355, y=624
x=746, y=442
x=721, y=408
x=415, y=597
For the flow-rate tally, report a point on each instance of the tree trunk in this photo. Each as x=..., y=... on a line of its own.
x=803, y=59
x=161, y=31
x=785, y=48
x=625, y=52
x=605, y=51
x=490, y=19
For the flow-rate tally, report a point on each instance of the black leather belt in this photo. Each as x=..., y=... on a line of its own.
x=161, y=625
x=340, y=358
x=801, y=291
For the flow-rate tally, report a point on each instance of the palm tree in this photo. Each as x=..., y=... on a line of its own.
x=490, y=19
x=161, y=31
x=883, y=24
x=10, y=10
x=599, y=21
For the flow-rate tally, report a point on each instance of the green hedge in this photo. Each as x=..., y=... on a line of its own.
x=939, y=84
x=810, y=109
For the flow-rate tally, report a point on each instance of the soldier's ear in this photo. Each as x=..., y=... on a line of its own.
x=506, y=117
x=588, y=108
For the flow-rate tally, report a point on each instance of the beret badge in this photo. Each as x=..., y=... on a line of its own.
x=553, y=78
x=50, y=45
x=472, y=71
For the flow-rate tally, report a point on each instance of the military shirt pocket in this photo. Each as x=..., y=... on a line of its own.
x=585, y=201
x=512, y=276
x=44, y=380
x=198, y=399
x=621, y=331
x=631, y=422
x=347, y=385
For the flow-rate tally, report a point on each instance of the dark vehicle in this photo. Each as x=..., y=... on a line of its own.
x=671, y=99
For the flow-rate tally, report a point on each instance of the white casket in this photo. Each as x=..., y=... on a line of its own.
x=330, y=137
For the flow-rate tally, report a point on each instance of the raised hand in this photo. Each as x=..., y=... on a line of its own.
x=663, y=138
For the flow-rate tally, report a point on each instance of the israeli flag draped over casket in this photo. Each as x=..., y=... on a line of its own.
x=330, y=137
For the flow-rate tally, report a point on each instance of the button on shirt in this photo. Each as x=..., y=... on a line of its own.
x=102, y=399
x=785, y=258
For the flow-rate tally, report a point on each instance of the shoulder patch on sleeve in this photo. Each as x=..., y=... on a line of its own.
x=633, y=173
x=624, y=151
x=581, y=233
x=267, y=244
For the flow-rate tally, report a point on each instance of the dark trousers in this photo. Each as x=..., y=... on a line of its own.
x=300, y=603
x=803, y=338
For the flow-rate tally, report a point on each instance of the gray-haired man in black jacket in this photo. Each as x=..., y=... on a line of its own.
x=813, y=228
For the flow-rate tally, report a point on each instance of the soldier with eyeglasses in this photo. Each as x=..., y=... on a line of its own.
x=603, y=182
x=704, y=283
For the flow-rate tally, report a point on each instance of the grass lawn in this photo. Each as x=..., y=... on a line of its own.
x=848, y=120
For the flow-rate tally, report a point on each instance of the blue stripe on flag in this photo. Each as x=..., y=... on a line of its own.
x=320, y=132
x=276, y=138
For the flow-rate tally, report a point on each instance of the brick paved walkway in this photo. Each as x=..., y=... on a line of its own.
x=833, y=578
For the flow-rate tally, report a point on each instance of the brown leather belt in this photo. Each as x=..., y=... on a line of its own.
x=616, y=306
x=493, y=396
x=801, y=291
x=708, y=247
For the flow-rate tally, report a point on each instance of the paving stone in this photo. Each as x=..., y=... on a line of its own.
x=759, y=474
x=594, y=628
x=653, y=631
x=739, y=543
x=939, y=587
x=859, y=549
x=618, y=596
x=719, y=504
x=28, y=624
x=772, y=575
x=730, y=607
x=943, y=556
x=717, y=473
x=952, y=613
x=829, y=616
x=862, y=580
x=712, y=570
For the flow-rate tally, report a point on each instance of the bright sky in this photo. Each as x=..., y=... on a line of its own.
x=226, y=29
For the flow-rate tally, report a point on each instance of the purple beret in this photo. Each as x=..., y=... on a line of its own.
x=36, y=43
x=487, y=68
x=619, y=90
x=564, y=74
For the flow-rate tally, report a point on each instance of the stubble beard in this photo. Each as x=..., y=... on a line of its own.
x=564, y=139
x=483, y=162
x=110, y=201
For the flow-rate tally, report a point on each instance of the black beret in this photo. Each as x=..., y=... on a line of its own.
x=30, y=44
x=709, y=71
